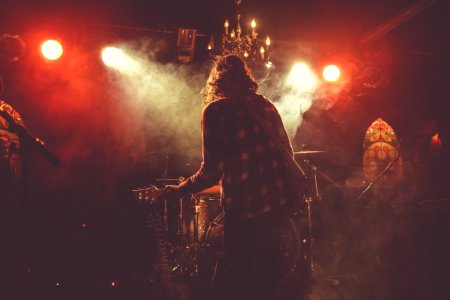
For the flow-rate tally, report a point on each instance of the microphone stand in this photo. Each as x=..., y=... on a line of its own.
x=35, y=142
x=369, y=186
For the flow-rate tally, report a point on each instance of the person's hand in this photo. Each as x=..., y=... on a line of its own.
x=171, y=192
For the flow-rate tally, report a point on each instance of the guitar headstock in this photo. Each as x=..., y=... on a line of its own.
x=148, y=195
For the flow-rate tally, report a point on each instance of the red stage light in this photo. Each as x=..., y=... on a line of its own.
x=52, y=49
x=436, y=140
x=331, y=73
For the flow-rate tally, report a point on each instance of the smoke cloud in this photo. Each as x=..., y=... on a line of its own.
x=109, y=128
x=164, y=96
x=293, y=94
x=125, y=127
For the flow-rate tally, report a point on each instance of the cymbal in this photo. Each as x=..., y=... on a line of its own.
x=304, y=152
x=214, y=190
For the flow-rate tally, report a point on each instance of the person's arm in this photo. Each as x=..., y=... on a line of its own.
x=213, y=147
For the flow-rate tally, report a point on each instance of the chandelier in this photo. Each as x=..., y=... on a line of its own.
x=245, y=45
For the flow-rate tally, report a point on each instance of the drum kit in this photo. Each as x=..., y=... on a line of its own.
x=193, y=228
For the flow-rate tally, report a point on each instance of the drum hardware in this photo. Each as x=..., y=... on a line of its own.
x=166, y=208
x=203, y=226
x=316, y=172
x=193, y=238
x=179, y=262
x=184, y=251
x=306, y=152
x=312, y=192
x=214, y=190
x=198, y=250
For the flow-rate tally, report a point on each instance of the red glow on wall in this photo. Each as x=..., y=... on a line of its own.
x=436, y=140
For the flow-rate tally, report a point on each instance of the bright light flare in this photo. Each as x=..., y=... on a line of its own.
x=52, y=49
x=436, y=140
x=302, y=78
x=112, y=56
x=331, y=73
x=116, y=58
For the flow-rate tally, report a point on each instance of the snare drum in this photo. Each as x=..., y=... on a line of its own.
x=207, y=207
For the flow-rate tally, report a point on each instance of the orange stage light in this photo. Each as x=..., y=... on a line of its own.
x=436, y=140
x=52, y=49
x=331, y=73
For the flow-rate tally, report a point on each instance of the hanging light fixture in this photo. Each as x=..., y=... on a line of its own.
x=245, y=45
x=12, y=47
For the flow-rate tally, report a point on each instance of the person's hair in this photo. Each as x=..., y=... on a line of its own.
x=229, y=76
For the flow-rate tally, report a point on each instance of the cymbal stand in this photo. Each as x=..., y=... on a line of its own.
x=309, y=197
x=166, y=208
x=196, y=207
x=165, y=179
x=180, y=236
x=180, y=233
x=316, y=172
x=307, y=237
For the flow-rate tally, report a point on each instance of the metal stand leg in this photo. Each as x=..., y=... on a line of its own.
x=309, y=240
x=310, y=195
x=196, y=238
x=180, y=237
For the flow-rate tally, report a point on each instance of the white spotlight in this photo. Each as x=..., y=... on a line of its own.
x=52, y=49
x=331, y=73
x=116, y=58
x=302, y=78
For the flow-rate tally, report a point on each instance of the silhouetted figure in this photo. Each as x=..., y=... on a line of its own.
x=247, y=150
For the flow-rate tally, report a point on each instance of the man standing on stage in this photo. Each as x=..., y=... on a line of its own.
x=247, y=150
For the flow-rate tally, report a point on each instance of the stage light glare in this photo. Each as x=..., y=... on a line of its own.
x=302, y=77
x=52, y=49
x=331, y=73
x=112, y=56
x=116, y=58
x=436, y=140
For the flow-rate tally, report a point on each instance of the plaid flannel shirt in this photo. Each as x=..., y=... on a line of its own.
x=237, y=152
